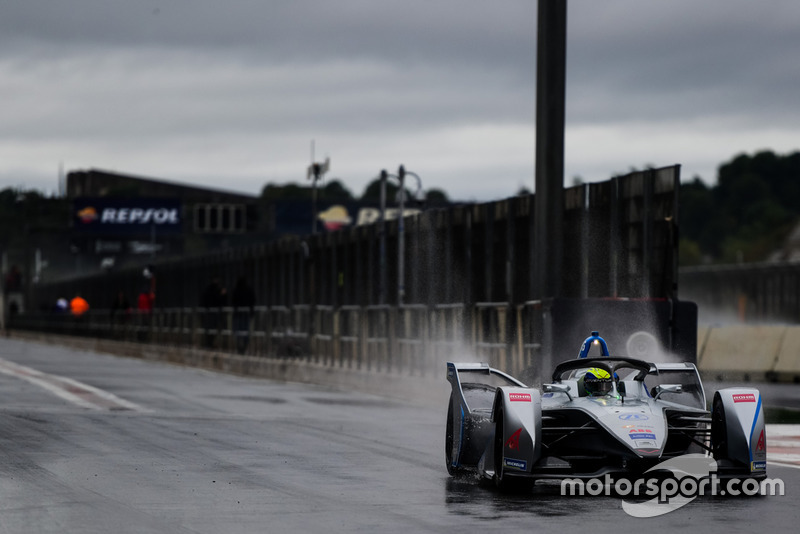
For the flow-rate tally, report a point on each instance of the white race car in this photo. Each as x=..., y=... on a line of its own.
x=599, y=415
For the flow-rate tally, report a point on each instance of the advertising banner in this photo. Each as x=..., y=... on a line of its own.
x=126, y=216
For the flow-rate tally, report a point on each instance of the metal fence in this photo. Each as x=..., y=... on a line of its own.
x=619, y=241
x=334, y=299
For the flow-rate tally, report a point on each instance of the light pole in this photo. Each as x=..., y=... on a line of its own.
x=401, y=245
x=315, y=173
x=382, y=290
x=401, y=242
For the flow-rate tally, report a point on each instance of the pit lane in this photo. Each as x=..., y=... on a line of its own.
x=192, y=451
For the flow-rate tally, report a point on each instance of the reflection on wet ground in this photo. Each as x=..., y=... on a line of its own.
x=480, y=500
x=469, y=498
x=249, y=398
x=342, y=401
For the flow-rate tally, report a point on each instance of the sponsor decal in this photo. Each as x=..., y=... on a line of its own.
x=139, y=216
x=522, y=465
x=642, y=433
x=547, y=395
x=519, y=397
x=758, y=466
x=335, y=217
x=513, y=441
x=744, y=397
x=762, y=442
x=133, y=216
x=646, y=445
x=597, y=374
x=87, y=214
x=634, y=417
x=373, y=215
x=140, y=247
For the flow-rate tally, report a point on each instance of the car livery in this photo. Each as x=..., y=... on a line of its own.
x=514, y=434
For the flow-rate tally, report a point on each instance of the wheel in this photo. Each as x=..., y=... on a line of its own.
x=500, y=481
x=719, y=429
x=448, y=442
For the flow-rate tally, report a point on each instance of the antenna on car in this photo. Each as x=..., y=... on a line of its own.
x=594, y=339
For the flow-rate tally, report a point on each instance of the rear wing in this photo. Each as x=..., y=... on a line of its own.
x=685, y=374
x=477, y=370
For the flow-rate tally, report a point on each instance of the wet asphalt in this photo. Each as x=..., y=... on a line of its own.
x=206, y=452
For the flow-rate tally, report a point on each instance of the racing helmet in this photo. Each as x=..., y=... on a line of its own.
x=597, y=382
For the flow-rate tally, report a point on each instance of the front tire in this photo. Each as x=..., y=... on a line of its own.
x=719, y=429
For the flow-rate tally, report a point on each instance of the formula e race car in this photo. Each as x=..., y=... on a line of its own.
x=599, y=415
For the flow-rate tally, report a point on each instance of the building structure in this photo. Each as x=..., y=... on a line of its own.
x=119, y=219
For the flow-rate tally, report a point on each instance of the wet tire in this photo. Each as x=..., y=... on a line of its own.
x=719, y=429
x=448, y=442
x=499, y=479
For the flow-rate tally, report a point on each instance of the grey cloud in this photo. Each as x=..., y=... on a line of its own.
x=192, y=89
x=682, y=58
x=289, y=30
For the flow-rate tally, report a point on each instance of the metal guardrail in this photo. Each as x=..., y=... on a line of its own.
x=413, y=340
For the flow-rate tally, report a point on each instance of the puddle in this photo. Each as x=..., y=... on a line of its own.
x=371, y=403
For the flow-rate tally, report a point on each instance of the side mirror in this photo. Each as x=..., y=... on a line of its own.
x=666, y=388
x=557, y=388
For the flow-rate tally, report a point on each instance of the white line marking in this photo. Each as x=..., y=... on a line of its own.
x=782, y=430
x=784, y=443
x=781, y=464
x=70, y=390
x=783, y=457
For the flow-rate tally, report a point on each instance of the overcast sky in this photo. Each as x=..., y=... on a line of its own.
x=231, y=94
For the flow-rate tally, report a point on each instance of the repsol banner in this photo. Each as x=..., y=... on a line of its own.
x=126, y=216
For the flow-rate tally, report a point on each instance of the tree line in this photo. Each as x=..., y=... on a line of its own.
x=746, y=215
x=335, y=191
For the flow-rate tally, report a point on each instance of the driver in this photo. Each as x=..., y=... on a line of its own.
x=596, y=382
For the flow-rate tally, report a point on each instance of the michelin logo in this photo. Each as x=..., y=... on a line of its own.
x=522, y=465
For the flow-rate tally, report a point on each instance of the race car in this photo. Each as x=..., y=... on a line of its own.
x=599, y=415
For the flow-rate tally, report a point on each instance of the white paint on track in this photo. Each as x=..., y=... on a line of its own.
x=783, y=445
x=70, y=390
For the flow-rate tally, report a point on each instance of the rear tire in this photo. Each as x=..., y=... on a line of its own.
x=448, y=442
x=498, y=447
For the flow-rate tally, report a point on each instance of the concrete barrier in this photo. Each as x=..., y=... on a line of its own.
x=787, y=364
x=749, y=352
